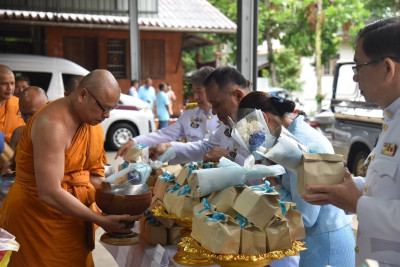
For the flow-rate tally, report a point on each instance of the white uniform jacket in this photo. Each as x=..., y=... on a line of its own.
x=378, y=211
x=193, y=151
x=193, y=124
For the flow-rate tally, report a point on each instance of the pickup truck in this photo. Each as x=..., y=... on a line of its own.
x=356, y=123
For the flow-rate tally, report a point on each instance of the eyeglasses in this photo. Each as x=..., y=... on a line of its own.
x=357, y=68
x=25, y=116
x=105, y=110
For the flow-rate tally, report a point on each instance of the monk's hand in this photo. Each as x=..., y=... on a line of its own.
x=344, y=195
x=215, y=154
x=125, y=147
x=115, y=223
x=156, y=151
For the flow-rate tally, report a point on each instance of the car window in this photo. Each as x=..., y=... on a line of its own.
x=41, y=79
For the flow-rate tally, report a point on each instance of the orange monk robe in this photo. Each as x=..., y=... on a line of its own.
x=48, y=237
x=8, y=117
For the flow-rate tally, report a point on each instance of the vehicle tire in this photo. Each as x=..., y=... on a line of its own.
x=358, y=163
x=118, y=134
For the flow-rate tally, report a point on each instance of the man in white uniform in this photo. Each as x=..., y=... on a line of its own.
x=225, y=88
x=196, y=123
x=375, y=199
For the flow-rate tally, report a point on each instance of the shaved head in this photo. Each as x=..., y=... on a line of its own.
x=99, y=80
x=31, y=100
x=7, y=84
x=5, y=70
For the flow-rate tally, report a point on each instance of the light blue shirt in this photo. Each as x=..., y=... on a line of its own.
x=147, y=94
x=162, y=103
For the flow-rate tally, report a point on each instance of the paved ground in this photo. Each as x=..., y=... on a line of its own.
x=102, y=258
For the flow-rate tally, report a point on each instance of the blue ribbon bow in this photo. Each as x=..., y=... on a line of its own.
x=266, y=189
x=242, y=221
x=150, y=217
x=141, y=146
x=217, y=216
x=124, y=165
x=186, y=189
x=207, y=165
x=174, y=188
x=192, y=167
x=283, y=207
x=166, y=177
x=207, y=206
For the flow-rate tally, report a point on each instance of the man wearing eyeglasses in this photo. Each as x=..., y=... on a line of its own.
x=47, y=208
x=9, y=120
x=375, y=199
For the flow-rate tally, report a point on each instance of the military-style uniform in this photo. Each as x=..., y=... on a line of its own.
x=193, y=151
x=193, y=124
x=378, y=211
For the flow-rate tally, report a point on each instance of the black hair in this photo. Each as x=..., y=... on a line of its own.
x=161, y=86
x=224, y=76
x=381, y=38
x=22, y=78
x=199, y=76
x=133, y=82
x=267, y=103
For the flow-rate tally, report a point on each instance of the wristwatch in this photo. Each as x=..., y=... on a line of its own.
x=231, y=155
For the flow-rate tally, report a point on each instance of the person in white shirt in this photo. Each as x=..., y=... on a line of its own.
x=375, y=199
x=134, y=87
x=225, y=88
x=195, y=123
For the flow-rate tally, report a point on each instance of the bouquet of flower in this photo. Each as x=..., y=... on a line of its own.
x=251, y=132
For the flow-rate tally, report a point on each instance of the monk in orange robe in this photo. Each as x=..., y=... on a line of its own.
x=58, y=169
x=8, y=103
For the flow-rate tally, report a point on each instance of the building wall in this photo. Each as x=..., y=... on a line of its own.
x=173, y=55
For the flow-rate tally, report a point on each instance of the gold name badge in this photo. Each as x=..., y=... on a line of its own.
x=389, y=149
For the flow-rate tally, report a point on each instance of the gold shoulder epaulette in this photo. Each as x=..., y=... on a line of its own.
x=191, y=105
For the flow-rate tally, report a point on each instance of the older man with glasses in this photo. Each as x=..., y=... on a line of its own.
x=375, y=199
x=47, y=208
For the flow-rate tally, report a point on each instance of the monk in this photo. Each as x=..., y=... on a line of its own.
x=47, y=208
x=31, y=100
x=8, y=103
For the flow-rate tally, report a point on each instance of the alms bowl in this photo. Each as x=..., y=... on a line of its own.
x=123, y=199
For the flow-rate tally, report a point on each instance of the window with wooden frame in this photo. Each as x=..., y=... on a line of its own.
x=116, y=64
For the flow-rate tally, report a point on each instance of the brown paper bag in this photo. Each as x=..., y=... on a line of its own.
x=223, y=200
x=175, y=235
x=183, y=175
x=256, y=206
x=133, y=154
x=253, y=240
x=296, y=225
x=320, y=169
x=154, y=203
x=153, y=234
x=179, y=205
x=221, y=237
x=200, y=211
x=160, y=187
x=278, y=235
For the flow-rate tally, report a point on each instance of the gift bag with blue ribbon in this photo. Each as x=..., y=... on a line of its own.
x=278, y=235
x=200, y=211
x=220, y=234
x=224, y=199
x=152, y=231
x=252, y=238
x=178, y=202
x=258, y=204
x=165, y=180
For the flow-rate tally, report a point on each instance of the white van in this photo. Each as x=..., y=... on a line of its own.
x=132, y=117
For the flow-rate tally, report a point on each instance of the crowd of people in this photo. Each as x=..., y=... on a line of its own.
x=60, y=159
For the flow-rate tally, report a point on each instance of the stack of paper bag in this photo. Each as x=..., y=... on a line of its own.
x=163, y=182
x=252, y=240
x=200, y=211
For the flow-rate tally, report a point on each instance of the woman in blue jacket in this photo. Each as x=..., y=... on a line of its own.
x=329, y=236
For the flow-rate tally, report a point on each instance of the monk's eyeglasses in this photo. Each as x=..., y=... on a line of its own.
x=105, y=110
